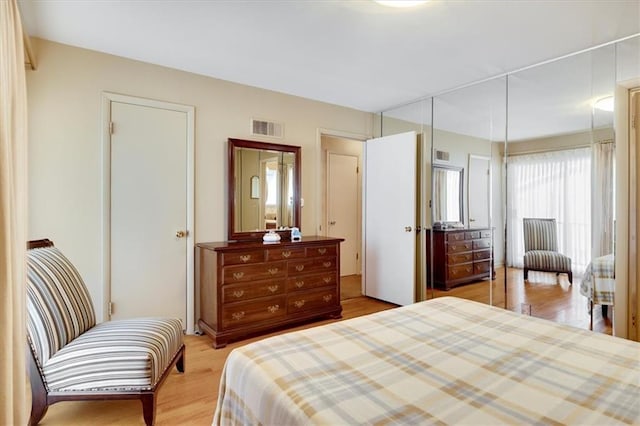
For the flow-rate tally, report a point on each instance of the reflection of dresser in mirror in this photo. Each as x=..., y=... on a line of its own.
x=460, y=256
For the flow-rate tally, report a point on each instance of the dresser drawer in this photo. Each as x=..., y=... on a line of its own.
x=481, y=267
x=312, y=300
x=482, y=254
x=246, y=291
x=238, y=314
x=481, y=244
x=305, y=266
x=459, y=247
x=455, y=236
x=485, y=233
x=321, y=251
x=285, y=253
x=460, y=271
x=242, y=257
x=456, y=258
x=472, y=235
x=257, y=271
x=306, y=282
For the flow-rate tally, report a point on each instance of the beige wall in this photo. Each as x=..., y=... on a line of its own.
x=65, y=188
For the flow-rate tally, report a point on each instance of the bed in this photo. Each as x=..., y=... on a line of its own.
x=443, y=361
x=598, y=284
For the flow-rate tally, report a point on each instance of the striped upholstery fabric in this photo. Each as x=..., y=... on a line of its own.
x=541, y=247
x=116, y=355
x=540, y=234
x=543, y=260
x=75, y=354
x=58, y=304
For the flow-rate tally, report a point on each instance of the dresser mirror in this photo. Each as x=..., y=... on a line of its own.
x=264, y=188
x=447, y=195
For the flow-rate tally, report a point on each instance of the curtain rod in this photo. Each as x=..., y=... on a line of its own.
x=569, y=148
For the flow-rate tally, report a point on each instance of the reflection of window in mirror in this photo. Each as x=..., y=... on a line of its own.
x=255, y=187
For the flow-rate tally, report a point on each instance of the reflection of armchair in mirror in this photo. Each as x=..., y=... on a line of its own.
x=264, y=182
x=447, y=196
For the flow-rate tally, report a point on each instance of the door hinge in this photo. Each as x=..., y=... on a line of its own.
x=357, y=255
x=357, y=169
x=111, y=127
x=110, y=309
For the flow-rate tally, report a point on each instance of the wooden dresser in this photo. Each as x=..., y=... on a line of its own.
x=460, y=256
x=253, y=287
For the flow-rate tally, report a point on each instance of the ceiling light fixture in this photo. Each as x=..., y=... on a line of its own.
x=604, y=104
x=401, y=3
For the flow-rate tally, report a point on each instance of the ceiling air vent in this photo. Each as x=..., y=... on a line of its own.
x=266, y=128
x=441, y=156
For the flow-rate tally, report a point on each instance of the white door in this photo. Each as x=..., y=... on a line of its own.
x=148, y=211
x=390, y=184
x=479, y=191
x=342, y=202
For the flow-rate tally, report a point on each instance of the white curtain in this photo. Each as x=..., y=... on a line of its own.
x=551, y=185
x=13, y=216
x=603, y=198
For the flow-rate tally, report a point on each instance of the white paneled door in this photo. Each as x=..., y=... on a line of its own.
x=390, y=190
x=148, y=211
x=479, y=191
x=342, y=202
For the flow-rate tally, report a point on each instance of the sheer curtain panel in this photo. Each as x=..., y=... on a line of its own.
x=13, y=217
x=556, y=185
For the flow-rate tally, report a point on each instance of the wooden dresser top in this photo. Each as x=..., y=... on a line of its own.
x=243, y=245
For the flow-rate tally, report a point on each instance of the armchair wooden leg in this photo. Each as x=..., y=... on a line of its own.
x=180, y=363
x=526, y=274
x=149, y=408
x=570, y=277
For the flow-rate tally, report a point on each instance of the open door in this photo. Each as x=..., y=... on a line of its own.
x=390, y=196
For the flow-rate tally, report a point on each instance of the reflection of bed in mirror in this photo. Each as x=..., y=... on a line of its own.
x=443, y=361
x=598, y=284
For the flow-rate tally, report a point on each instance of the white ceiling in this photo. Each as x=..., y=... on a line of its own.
x=354, y=53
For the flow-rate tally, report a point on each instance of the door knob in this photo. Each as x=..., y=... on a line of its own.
x=333, y=222
x=181, y=234
x=407, y=229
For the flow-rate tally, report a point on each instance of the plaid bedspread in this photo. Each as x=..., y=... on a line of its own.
x=444, y=361
x=598, y=283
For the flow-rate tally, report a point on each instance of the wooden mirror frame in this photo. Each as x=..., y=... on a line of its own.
x=266, y=146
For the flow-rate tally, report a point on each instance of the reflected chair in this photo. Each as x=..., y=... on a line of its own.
x=72, y=358
x=541, y=248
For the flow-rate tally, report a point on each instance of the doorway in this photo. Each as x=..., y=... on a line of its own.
x=342, y=206
x=148, y=209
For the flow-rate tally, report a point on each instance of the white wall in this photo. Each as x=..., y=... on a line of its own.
x=64, y=97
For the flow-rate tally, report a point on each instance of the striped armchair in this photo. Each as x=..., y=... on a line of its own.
x=71, y=357
x=541, y=248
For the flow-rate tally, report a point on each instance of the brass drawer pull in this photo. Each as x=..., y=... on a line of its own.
x=327, y=298
x=322, y=250
x=299, y=268
x=273, y=288
x=299, y=303
x=237, y=315
x=238, y=293
x=299, y=284
x=273, y=271
x=326, y=264
x=245, y=257
x=327, y=280
x=273, y=309
x=238, y=275
x=286, y=254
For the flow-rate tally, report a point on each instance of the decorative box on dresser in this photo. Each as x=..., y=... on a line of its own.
x=249, y=287
x=460, y=256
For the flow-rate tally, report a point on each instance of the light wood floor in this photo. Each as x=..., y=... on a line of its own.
x=189, y=398
x=544, y=295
